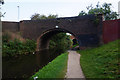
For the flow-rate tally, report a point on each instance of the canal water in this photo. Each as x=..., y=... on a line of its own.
x=24, y=66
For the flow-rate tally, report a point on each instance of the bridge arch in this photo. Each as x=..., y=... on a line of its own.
x=87, y=30
x=44, y=38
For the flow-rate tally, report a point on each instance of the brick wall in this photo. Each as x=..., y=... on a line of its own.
x=10, y=26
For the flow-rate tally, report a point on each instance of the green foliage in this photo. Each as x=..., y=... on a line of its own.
x=30, y=46
x=11, y=48
x=104, y=9
x=16, y=47
x=52, y=16
x=75, y=45
x=37, y=16
x=60, y=41
x=52, y=44
x=101, y=62
x=82, y=13
x=55, y=69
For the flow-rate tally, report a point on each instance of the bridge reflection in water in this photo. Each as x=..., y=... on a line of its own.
x=25, y=66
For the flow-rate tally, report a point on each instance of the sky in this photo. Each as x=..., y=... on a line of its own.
x=63, y=8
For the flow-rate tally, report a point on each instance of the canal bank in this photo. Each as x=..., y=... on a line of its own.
x=101, y=62
x=65, y=66
x=55, y=69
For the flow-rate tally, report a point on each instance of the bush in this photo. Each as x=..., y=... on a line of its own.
x=16, y=47
x=29, y=46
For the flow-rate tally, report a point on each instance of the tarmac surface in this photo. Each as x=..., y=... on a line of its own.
x=73, y=67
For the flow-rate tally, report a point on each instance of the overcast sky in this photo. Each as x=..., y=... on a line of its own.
x=64, y=8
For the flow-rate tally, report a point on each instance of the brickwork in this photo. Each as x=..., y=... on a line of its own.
x=84, y=29
x=10, y=26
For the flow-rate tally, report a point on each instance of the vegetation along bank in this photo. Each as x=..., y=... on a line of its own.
x=101, y=62
x=55, y=69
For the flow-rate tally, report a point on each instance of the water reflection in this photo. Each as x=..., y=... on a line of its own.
x=26, y=65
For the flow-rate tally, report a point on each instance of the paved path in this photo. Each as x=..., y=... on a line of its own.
x=73, y=69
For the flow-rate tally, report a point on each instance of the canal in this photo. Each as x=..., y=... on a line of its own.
x=24, y=66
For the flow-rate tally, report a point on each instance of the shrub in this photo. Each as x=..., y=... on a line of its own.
x=30, y=46
x=16, y=47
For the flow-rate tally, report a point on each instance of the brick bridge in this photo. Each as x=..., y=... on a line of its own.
x=84, y=28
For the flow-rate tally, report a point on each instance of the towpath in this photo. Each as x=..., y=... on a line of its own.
x=73, y=67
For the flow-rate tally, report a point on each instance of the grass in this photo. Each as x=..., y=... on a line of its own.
x=55, y=69
x=101, y=62
x=75, y=45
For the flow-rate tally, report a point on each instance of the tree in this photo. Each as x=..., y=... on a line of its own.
x=37, y=16
x=82, y=13
x=52, y=16
x=60, y=41
x=101, y=9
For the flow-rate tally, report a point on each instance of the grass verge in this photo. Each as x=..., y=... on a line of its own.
x=55, y=69
x=101, y=62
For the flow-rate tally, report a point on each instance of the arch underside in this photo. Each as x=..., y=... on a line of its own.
x=84, y=40
x=46, y=36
